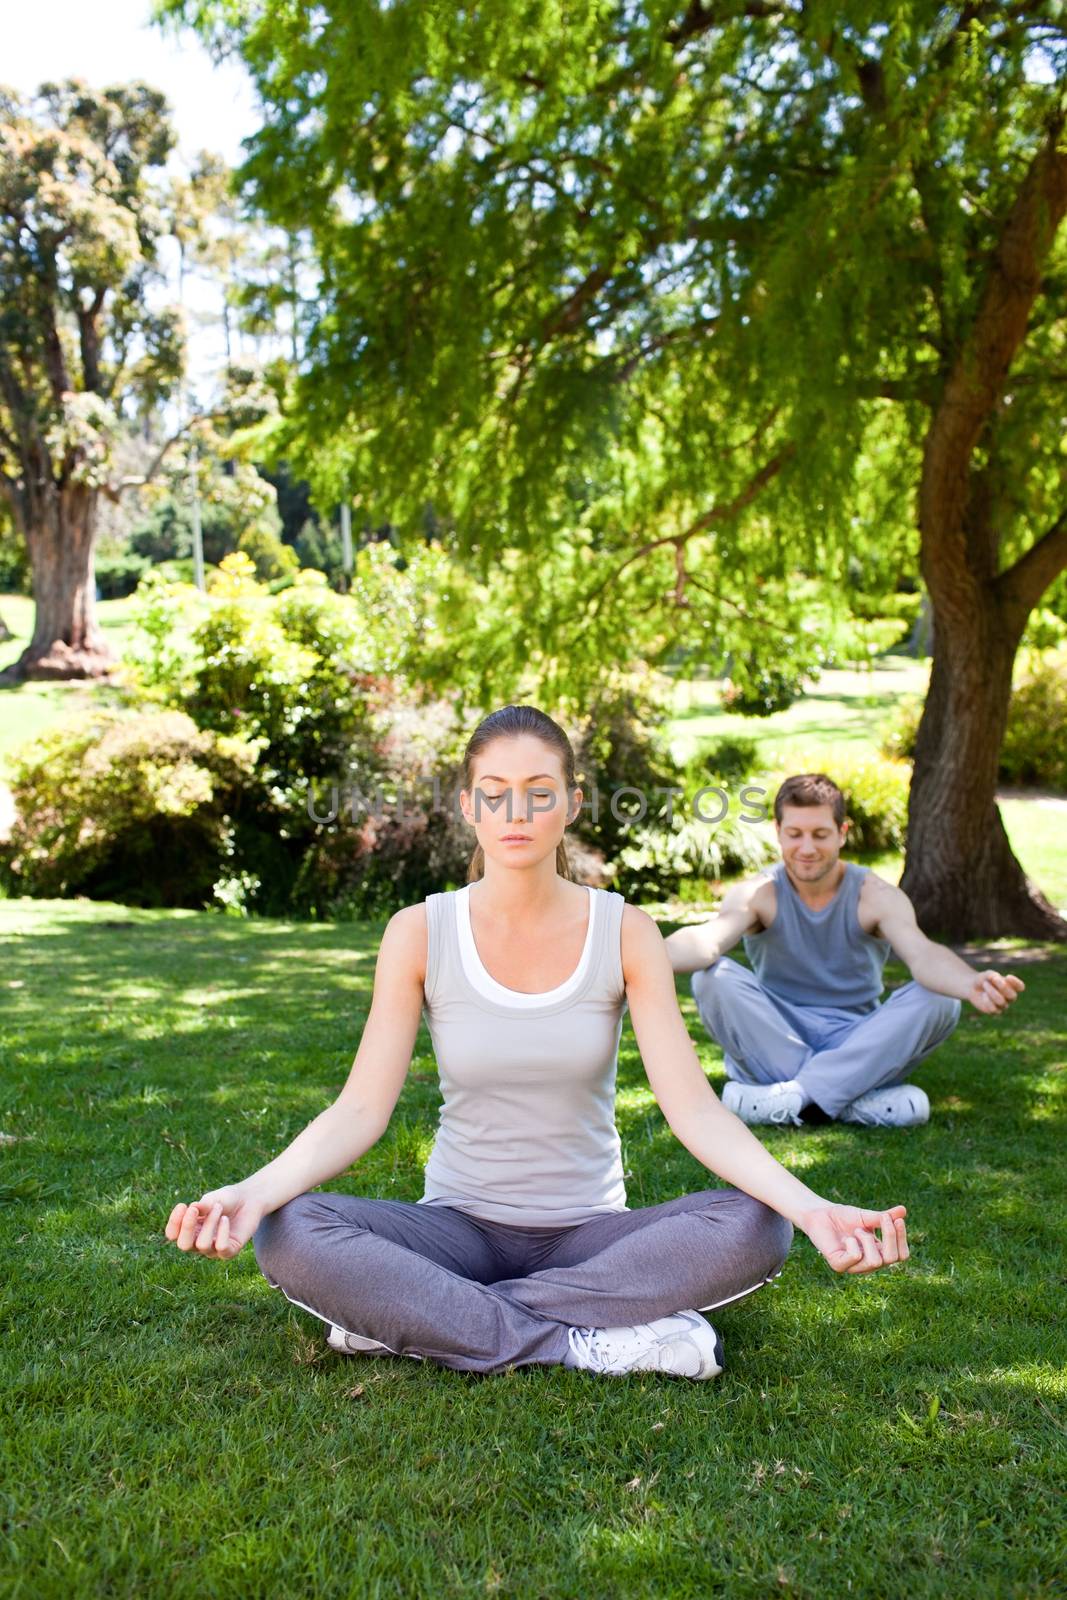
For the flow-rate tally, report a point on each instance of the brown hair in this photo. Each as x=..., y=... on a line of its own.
x=810, y=789
x=509, y=722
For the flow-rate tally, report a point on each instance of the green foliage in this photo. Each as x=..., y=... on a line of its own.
x=1034, y=750
x=270, y=557
x=319, y=547
x=371, y=866
x=899, y=731
x=601, y=288
x=80, y=226
x=733, y=757
x=118, y=569
x=1045, y=630
x=15, y=575
x=312, y=677
x=659, y=860
x=762, y=691
x=296, y=671
x=130, y=806
x=1035, y=743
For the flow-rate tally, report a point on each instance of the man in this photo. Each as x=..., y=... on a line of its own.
x=804, y=1036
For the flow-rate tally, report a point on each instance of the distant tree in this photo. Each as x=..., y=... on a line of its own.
x=80, y=345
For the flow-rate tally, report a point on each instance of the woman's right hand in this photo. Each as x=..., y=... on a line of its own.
x=219, y=1224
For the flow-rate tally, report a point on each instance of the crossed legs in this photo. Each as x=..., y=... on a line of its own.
x=477, y=1296
x=837, y=1055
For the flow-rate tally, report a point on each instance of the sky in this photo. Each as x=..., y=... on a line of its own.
x=113, y=42
x=214, y=106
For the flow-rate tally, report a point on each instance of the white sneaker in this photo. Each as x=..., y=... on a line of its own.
x=899, y=1105
x=353, y=1344
x=764, y=1102
x=683, y=1345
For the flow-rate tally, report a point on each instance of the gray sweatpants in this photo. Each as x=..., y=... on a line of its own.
x=836, y=1054
x=431, y=1281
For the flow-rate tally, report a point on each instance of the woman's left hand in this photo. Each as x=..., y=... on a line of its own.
x=846, y=1236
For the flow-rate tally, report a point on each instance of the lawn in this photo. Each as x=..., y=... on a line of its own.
x=28, y=708
x=841, y=710
x=174, y=1426
x=842, y=715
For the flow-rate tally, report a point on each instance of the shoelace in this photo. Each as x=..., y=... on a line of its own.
x=783, y=1113
x=593, y=1349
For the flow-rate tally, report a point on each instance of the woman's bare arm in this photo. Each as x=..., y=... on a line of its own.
x=843, y=1234
x=223, y=1219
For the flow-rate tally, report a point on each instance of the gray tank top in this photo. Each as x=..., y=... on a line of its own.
x=819, y=958
x=527, y=1132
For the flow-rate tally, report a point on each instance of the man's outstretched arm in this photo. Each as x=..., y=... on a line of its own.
x=934, y=965
x=692, y=949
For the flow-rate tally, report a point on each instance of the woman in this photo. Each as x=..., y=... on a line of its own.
x=522, y=1250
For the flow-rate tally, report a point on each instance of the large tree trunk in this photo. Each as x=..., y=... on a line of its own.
x=67, y=640
x=961, y=874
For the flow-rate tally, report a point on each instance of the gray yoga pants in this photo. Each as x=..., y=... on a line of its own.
x=836, y=1054
x=431, y=1281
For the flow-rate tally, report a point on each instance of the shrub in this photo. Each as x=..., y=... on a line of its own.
x=118, y=570
x=763, y=692
x=129, y=806
x=292, y=670
x=1035, y=741
x=367, y=867
x=658, y=860
x=897, y=734
x=617, y=746
x=730, y=758
x=263, y=546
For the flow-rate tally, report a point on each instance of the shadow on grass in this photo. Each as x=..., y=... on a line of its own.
x=187, y=1426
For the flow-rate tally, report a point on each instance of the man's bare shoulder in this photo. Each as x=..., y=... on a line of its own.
x=755, y=895
x=878, y=898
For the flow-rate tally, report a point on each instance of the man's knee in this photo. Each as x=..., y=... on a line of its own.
x=713, y=987
x=941, y=1012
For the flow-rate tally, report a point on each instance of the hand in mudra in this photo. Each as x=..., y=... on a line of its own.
x=993, y=992
x=217, y=1225
x=845, y=1236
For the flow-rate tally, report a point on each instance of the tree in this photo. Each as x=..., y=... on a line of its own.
x=81, y=348
x=639, y=292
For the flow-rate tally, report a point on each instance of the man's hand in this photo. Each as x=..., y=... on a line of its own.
x=992, y=993
x=845, y=1236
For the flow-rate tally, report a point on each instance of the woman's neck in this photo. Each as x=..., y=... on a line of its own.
x=511, y=893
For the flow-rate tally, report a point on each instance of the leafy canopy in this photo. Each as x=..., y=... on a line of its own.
x=650, y=301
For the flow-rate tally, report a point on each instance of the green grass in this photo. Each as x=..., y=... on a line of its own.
x=174, y=1426
x=843, y=709
x=29, y=708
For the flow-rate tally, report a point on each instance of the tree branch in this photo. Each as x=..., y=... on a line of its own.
x=978, y=376
x=568, y=314
x=90, y=340
x=700, y=18
x=1020, y=586
x=723, y=513
x=115, y=491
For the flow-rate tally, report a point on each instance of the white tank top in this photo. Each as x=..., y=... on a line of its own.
x=527, y=1129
